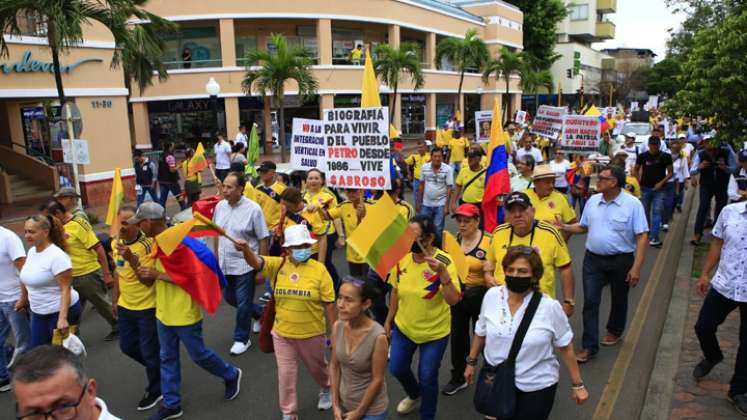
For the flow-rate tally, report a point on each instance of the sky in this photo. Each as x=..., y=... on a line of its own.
x=642, y=24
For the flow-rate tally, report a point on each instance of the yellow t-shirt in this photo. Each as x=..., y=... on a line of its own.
x=475, y=258
x=457, y=148
x=134, y=295
x=552, y=248
x=349, y=215
x=313, y=220
x=355, y=54
x=81, y=239
x=300, y=293
x=195, y=177
x=483, y=161
x=320, y=199
x=416, y=161
x=632, y=186
x=421, y=319
x=549, y=207
x=474, y=191
x=174, y=306
x=270, y=203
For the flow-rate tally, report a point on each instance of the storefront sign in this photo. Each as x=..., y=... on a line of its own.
x=580, y=134
x=357, y=141
x=483, y=120
x=549, y=121
x=82, y=157
x=307, y=145
x=27, y=65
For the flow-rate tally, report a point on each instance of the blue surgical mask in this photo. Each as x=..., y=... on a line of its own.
x=301, y=255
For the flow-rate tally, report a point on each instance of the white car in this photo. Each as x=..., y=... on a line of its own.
x=642, y=132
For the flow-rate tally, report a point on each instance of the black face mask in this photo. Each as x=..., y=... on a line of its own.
x=518, y=284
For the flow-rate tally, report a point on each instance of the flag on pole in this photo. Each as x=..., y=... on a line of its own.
x=116, y=198
x=593, y=111
x=370, y=88
x=497, y=180
x=452, y=247
x=170, y=239
x=383, y=237
x=252, y=153
x=198, y=161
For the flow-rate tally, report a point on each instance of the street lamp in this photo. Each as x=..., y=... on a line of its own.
x=213, y=89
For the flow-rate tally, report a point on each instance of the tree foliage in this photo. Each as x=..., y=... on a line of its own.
x=268, y=71
x=541, y=18
x=469, y=52
x=663, y=78
x=504, y=66
x=392, y=63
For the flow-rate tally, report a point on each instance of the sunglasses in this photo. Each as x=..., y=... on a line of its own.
x=522, y=249
x=354, y=281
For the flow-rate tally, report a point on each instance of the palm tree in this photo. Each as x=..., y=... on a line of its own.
x=507, y=63
x=532, y=80
x=467, y=53
x=65, y=20
x=269, y=71
x=142, y=52
x=391, y=62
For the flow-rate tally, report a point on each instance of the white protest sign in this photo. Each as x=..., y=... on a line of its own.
x=483, y=120
x=358, y=153
x=549, y=121
x=580, y=134
x=634, y=106
x=307, y=145
x=521, y=117
x=82, y=157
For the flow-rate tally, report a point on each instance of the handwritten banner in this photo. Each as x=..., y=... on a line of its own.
x=580, y=134
x=358, y=153
x=307, y=145
x=549, y=121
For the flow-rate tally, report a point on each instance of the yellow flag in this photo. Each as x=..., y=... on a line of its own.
x=116, y=198
x=593, y=111
x=169, y=239
x=452, y=247
x=370, y=88
x=393, y=133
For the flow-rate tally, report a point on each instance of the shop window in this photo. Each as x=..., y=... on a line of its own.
x=413, y=114
x=185, y=123
x=192, y=47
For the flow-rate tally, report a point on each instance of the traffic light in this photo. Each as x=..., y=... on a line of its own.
x=569, y=73
x=576, y=62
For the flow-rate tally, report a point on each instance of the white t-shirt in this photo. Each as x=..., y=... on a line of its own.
x=688, y=148
x=535, y=152
x=38, y=276
x=11, y=249
x=536, y=365
x=436, y=185
x=222, y=155
x=560, y=170
x=241, y=138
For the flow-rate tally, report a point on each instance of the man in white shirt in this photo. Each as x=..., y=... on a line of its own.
x=241, y=136
x=737, y=188
x=50, y=380
x=222, y=151
x=437, y=180
x=13, y=299
x=675, y=186
x=726, y=292
x=241, y=218
x=529, y=149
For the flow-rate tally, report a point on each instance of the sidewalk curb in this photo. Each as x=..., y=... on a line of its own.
x=624, y=395
x=661, y=386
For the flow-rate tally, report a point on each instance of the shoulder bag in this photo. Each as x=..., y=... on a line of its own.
x=495, y=391
x=268, y=319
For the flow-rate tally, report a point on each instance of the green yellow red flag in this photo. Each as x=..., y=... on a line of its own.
x=198, y=161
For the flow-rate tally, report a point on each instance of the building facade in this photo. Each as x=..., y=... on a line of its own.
x=211, y=42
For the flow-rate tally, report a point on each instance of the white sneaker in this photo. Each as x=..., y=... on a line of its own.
x=238, y=347
x=256, y=326
x=407, y=405
x=325, y=400
x=665, y=227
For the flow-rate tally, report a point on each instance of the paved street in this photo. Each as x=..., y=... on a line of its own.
x=121, y=381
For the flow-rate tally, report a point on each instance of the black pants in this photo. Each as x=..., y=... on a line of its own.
x=535, y=405
x=358, y=270
x=716, y=307
x=331, y=240
x=222, y=173
x=379, y=308
x=468, y=309
x=707, y=193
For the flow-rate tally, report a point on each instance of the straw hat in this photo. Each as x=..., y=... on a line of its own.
x=542, y=172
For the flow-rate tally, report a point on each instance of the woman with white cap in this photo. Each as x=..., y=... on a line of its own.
x=303, y=292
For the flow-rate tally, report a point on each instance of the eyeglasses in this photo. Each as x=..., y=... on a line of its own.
x=354, y=281
x=62, y=412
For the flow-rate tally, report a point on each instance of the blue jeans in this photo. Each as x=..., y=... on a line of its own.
x=191, y=336
x=415, y=186
x=679, y=196
x=581, y=203
x=598, y=270
x=175, y=189
x=437, y=215
x=653, y=204
x=19, y=323
x=668, y=191
x=426, y=384
x=138, y=339
x=42, y=326
x=148, y=190
x=239, y=293
x=456, y=166
x=381, y=416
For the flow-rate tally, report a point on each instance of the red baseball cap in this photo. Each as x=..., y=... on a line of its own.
x=467, y=210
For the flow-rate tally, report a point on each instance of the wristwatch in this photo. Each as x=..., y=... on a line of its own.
x=471, y=361
x=570, y=302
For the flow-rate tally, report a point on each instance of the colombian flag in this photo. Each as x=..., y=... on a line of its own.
x=194, y=268
x=497, y=180
x=116, y=198
x=594, y=112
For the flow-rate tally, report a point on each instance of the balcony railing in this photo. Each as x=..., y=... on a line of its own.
x=604, y=30
x=194, y=64
x=607, y=6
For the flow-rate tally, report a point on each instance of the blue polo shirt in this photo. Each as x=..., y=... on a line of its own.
x=613, y=225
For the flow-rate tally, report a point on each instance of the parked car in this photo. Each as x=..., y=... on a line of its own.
x=642, y=132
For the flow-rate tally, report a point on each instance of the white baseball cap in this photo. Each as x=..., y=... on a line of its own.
x=298, y=235
x=630, y=134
